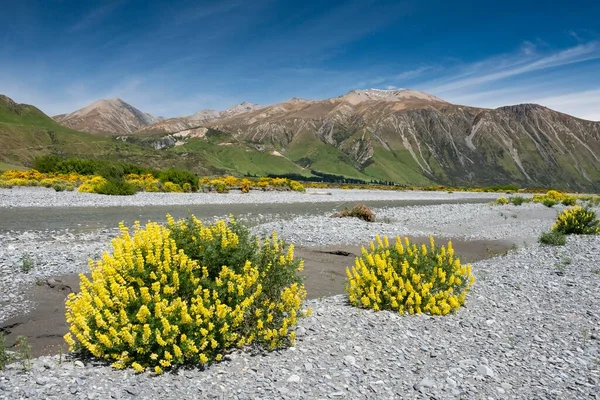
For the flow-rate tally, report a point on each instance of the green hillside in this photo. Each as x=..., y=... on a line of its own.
x=26, y=132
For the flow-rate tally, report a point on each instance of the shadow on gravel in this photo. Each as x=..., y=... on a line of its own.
x=324, y=269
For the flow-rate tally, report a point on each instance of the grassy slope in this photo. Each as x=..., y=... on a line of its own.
x=240, y=160
x=322, y=157
x=397, y=166
x=26, y=132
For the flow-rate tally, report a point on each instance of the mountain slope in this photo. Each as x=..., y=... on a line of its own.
x=178, y=124
x=26, y=132
x=112, y=116
x=401, y=135
x=412, y=137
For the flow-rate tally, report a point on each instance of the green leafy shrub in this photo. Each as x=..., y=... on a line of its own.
x=549, y=202
x=61, y=186
x=5, y=185
x=186, y=293
x=360, y=211
x=568, y=200
x=577, y=220
x=5, y=356
x=553, y=238
x=179, y=177
x=116, y=187
x=27, y=264
x=408, y=278
x=500, y=201
x=518, y=200
x=56, y=164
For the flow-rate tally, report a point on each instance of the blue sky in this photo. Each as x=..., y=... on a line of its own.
x=175, y=58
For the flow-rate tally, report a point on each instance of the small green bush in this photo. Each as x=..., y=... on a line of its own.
x=360, y=211
x=5, y=356
x=577, y=220
x=5, y=185
x=180, y=177
x=500, y=201
x=116, y=187
x=549, y=202
x=27, y=264
x=553, y=238
x=61, y=186
x=112, y=172
x=568, y=201
x=518, y=200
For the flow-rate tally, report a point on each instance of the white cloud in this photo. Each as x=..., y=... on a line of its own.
x=480, y=75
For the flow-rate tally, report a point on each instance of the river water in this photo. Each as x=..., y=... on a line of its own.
x=81, y=219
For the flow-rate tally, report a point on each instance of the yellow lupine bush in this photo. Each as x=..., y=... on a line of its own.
x=151, y=305
x=577, y=220
x=91, y=184
x=408, y=278
x=172, y=187
x=145, y=182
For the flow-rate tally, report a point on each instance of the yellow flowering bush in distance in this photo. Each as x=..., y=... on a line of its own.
x=408, y=278
x=185, y=293
x=577, y=220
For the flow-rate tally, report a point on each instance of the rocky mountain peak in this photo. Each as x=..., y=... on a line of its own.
x=113, y=116
x=392, y=95
x=239, y=109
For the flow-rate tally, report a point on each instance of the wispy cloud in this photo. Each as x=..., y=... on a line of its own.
x=411, y=74
x=577, y=54
x=94, y=16
x=203, y=11
x=585, y=104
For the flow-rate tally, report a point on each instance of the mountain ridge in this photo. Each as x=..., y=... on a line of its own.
x=401, y=136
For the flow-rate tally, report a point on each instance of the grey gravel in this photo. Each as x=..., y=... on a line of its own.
x=43, y=197
x=527, y=332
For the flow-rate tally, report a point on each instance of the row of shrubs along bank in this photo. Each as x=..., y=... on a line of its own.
x=112, y=180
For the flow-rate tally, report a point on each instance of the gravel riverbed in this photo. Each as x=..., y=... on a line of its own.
x=20, y=197
x=530, y=330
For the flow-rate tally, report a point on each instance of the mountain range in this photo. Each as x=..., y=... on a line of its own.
x=402, y=136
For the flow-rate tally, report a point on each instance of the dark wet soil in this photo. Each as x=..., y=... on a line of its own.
x=324, y=270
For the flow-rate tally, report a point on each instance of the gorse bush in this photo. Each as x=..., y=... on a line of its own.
x=577, y=220
x=553, y=238
x=186, y=293
x=409, y=278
